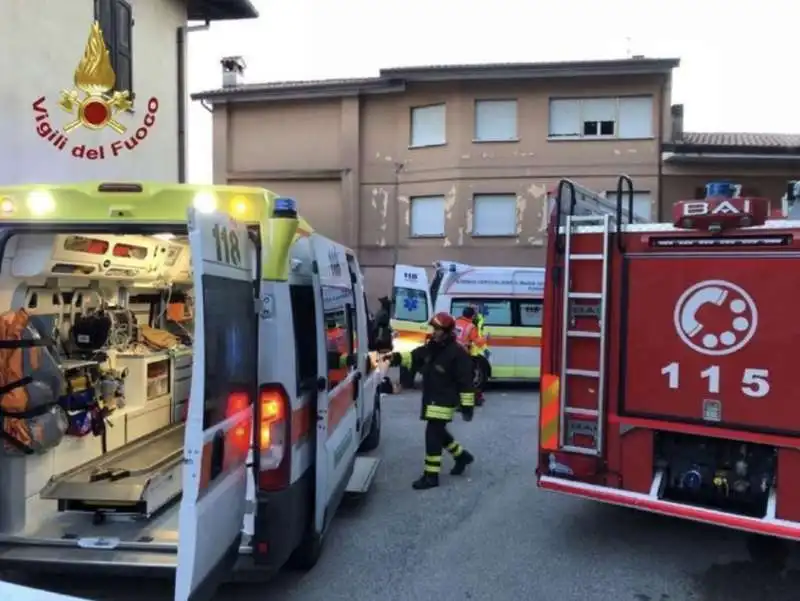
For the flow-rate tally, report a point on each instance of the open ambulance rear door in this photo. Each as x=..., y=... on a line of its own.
x=337, y=413
x=220, y=415
x=412, y=308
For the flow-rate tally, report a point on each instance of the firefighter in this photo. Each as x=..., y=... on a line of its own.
x=446, y=385
x=469, y=332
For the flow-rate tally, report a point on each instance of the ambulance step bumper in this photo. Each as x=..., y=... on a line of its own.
x=364, y=472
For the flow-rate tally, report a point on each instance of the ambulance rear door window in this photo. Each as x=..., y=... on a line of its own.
x=530, y=313
x=305, y=335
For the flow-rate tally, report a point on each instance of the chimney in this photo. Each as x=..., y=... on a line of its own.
x=677, y=122
x=233, y=71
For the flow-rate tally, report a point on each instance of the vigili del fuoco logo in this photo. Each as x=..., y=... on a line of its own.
x=93, y=104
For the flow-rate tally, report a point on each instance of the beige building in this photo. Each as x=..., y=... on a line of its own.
x=455, y=162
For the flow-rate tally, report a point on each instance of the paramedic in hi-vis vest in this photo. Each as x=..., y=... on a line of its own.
x=469, y=334
x=446, y=371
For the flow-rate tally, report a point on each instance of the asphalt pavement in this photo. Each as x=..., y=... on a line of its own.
x=491, y=535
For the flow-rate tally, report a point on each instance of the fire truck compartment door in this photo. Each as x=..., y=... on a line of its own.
x=711, y=339
x=219, y=418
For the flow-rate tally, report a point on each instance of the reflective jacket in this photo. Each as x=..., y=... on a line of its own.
x=481, y=345
x=466, y=333
x=446, y=370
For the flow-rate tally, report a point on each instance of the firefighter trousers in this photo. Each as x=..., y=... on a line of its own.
x=438, y=438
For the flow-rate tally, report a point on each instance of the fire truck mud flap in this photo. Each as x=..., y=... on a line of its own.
x=709, y=338
x=769, y=525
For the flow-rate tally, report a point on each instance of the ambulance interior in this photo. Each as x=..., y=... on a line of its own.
x=103, y=455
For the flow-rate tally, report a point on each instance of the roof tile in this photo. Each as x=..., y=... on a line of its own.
x=741, y=139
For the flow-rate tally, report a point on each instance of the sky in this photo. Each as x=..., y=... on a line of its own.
x=738, y=59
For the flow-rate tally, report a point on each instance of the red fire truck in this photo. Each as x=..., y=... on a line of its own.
x=669, y=379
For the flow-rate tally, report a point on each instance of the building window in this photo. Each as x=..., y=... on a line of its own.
x=116, y=21
x=495, y=120
x=495, y=215
x=623, y=118
x=428, y=125
x=642, y=203
x=427, y=216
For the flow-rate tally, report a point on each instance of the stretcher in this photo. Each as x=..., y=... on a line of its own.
x=136, y=480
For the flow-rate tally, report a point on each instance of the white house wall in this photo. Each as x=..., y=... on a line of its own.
x=42, y=42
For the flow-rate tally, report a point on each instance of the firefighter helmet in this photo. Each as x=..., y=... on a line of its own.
x=443, y=321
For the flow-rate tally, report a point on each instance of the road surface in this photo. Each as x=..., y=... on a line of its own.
x=493, y=536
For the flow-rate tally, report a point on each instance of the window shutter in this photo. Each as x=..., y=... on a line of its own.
x=495, y=120
x=427, y=216
x=565, y=118
x=636, y=117
x=494, y=215
x=123, y=53
x=103, y=14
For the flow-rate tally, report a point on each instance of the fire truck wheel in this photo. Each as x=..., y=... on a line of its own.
x=373, y=439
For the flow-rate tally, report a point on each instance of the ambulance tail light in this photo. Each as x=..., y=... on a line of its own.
x=240, y=435
x=274, y=437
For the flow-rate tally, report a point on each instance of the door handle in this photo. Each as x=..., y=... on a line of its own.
x=322, y=384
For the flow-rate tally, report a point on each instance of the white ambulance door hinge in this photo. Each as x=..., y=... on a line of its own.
x=265, y=306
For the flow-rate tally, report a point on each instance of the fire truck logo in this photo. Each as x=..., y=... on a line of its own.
x=97, y=107
x=716, y=317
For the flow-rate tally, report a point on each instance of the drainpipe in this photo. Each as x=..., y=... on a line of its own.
x=398, y=167
x=661, y=107
x=180, y=49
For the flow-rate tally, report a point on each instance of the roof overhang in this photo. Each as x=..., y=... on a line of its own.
x=221, y=10
x=747, y=156
x=564, y=69
x=395, y=80
x=310, y=91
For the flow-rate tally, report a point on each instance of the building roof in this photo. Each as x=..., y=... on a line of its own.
x=396, y=79
x=221, y=10
x=740, y=139
x=709, y=146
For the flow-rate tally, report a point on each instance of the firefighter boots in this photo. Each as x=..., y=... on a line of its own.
x=426, y=481
x=462, y=461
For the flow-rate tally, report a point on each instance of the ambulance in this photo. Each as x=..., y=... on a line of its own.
x=176, y=414
x=510, y=299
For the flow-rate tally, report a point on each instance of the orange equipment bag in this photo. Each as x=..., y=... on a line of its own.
x=31, y=383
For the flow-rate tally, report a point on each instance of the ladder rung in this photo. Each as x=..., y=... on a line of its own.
x=586, y=218
x=586, y=373
x=581, y=412
x=586, y=295
x=582, y=450
x=583, y=334
x=586, y=257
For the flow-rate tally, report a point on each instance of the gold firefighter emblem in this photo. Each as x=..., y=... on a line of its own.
x=95, y=77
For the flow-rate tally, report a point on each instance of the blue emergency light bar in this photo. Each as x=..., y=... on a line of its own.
x=285, y=205
x=724, y=189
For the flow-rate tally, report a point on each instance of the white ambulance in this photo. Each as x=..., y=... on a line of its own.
x=218, y=438
x=510, y=299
